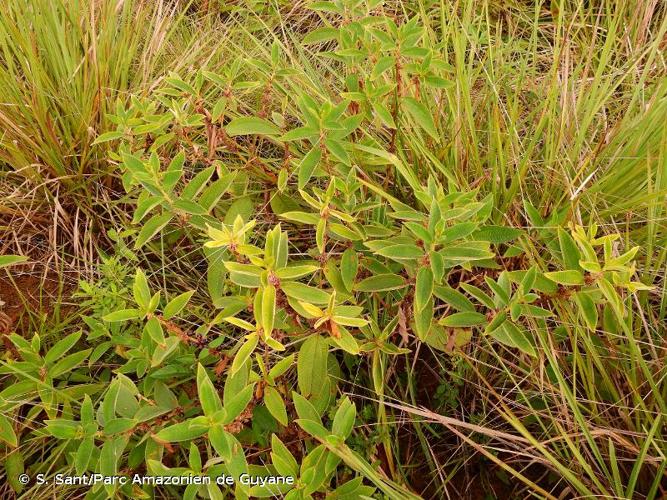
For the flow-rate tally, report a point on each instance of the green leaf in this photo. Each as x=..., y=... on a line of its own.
x=299, y=133
x=244, y=352
x=108, y=136
x=10, y=260
x=588, y=309
x=320, y=233
x=275, y=404
x=119, y=425
x=313, y=428
x=151, y=228
x=454, y=298
x=423, y=319
x=295, y=271
x=320, y=35
x=307, y=166
x=61, y=347
x=497, y=234
x=268, y=309
x=468, y=251
x=140, y=290
x=381, y=283
x=68, y=363
x=183, y=431
x=384, y=114
x=423, y=287
x=463, y=319
x=220, y=441
x=281, y=367
x=566, y=277
x=212, y=194
x=7, y=433
x=122, y=315
x=346, y=341
x=305, y=293
x=513, y=336
x=208, y=395
x=301, y=217
x=247, y=125
x=421, y=115
x=174, y=171
x=343, y=421
x=479, y=295
x=238, y=403
x=349, y=264
x=311, y=364
x=177, y=304
x=282, y=458
x=569, y=250
x=83, y=454
x=304, y=408
x=60, y=428
x=154, y=330
x=401, y=251
x=196, y=185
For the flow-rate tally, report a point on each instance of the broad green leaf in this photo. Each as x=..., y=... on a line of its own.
x=122, y=315
x=381, y=283
x=423, y=319
x=154, y=330
x=182, y=431
x=311, y=364
x=320, y=35
x=569, y=250
x=61, y=347
x=345, y=340
x=247, y=125
x=281, y=367
x=282, y=458
x=68, y=363
x=423, y=287
x=275, y=404
x=108, y=136
x=177, y=304
x=420, y=114
x=301, y=217
x=462, y=319
x=453, y=297
x=296, y=271
x=307, y=166
x=588, y=309
x=140, y=290
x=497, y=234
x=7, y=433
x=571, y=277
x=10, y=260
x=150, y=228
x=244, y=352
x=513, y=336
x=343, y=421
x=208, y=395
x=305, y=293
x=348, y=267
x=401, y=251
x=238, y=403
x=268, y=309
x=304, y=408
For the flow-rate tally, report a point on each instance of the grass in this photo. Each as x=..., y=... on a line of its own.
x=551, y=113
